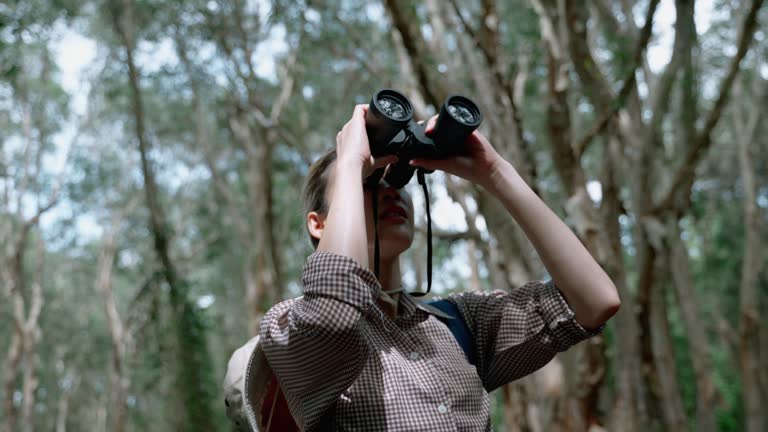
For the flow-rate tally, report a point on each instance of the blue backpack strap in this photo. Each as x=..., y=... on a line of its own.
x=458, y=328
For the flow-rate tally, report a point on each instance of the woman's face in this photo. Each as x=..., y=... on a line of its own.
x=395, y=224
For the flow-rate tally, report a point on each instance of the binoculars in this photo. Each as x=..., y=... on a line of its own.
x=392, y=131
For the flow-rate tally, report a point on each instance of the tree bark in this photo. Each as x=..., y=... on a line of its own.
x=677, y=196
x=62, y=413
x=193, y=366
x=26, y=330
x=10, y=375
x=698, y=342
x=120, y=380
x=666, y=374
x=749, y=304
x=515, y=402
x=587, y=374
x=629, y=410
x=261, y=271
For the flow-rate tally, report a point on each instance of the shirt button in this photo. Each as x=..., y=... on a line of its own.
x=442, y=408
x=414, y=355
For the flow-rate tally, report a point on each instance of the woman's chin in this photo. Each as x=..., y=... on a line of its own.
x=393, y=245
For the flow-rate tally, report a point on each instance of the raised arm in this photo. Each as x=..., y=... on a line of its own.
x=586, y=287
x=344, y=230
x=316, y=344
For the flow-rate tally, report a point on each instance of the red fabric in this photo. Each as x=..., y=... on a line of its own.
x=281, y=416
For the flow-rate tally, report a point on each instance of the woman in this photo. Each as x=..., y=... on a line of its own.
x=355, y=353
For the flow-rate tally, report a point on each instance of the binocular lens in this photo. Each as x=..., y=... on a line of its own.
x=392, y=108
x=461, y=113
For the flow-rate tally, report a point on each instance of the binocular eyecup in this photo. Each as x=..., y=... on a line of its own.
x=392, y=131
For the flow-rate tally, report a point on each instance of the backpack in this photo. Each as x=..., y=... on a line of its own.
x=458, y=328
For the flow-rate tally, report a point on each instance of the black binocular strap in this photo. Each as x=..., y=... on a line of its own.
x=376, y=259
x=375, y=199
x=423, y=183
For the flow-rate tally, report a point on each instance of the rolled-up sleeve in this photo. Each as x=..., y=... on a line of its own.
x=316, y=344
x=517, y=333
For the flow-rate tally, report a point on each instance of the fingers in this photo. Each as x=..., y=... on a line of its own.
x=431, y=124
x=383, y=161
x=360, y=111
x=428, y=164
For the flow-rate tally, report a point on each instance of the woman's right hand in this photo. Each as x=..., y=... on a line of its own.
x=353, y=148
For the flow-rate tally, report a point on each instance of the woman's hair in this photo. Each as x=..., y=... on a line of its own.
x=315, y=186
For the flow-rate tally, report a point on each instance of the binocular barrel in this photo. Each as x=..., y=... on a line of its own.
x=388, y=113
x=458, y=118
x=392, y=131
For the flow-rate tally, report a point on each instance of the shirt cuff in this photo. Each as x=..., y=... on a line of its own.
x=341, y=278
x=560, y=319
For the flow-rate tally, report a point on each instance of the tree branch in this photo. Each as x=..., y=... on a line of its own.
x=414, y=43
x=683, y=178
x=508, y=87
x=626, y=87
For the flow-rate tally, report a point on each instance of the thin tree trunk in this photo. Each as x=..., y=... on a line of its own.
x=10, y=375
x=62, y=412
x=628, y=407
x=666, y=373
x=698, y=342
x=749, y=317
x=119, y=394
x=26, y=330
x=193, y=364
x=474, y=267
x=32, y=335
x=587, y=365
x=515, y=407
x=260, y=271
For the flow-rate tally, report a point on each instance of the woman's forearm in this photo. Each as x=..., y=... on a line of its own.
x=587, y=288
x=345, y=232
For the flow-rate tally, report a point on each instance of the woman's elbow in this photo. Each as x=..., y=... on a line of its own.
x=602, y=310
x=610, y=305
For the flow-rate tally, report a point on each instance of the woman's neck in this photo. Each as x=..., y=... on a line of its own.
x=390, y=279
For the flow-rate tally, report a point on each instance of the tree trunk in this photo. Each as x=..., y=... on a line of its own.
x=515, y=407
x=62, y=412
x=629, y=412
x=32, y=335
x=587, y=365
x=193, y=366
x=120, y=381
x=26, y=333
x=260, y=273
x=698, y=342
x=749, y=321
x=10, y=375
x=665, y=369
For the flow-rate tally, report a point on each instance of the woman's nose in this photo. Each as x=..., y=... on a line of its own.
x=388, y=192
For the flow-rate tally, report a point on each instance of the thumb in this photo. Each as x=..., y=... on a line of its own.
x=429, y=164
x=383, y=161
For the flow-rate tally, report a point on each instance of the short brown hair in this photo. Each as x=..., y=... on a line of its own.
x=313, y=195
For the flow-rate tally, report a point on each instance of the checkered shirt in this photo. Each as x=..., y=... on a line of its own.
x=344, y=364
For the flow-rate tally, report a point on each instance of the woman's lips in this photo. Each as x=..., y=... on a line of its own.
x=393, y=213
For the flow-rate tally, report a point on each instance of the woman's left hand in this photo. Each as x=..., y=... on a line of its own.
x=476, y=165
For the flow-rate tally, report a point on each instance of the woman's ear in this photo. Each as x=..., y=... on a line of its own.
x=315, y=224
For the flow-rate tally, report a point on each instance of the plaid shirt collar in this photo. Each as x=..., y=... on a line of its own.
x=414, y=311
